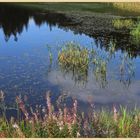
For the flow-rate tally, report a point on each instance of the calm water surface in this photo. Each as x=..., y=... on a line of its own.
x=25, y=68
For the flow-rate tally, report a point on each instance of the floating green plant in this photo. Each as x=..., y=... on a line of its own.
x=122, y=23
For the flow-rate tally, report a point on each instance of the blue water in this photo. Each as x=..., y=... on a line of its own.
x=25, y=69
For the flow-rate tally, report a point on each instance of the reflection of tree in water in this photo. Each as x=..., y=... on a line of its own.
x=14, y=19
x=123, y=43
x=39, y=20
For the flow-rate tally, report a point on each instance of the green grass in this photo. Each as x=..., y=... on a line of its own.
x=112, y=8
x=123, y=23
x=128, y=6
x=67, y=6
x=70, y=122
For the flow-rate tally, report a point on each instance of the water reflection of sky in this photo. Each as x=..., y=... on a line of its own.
x=114, y=93
x=24, y=64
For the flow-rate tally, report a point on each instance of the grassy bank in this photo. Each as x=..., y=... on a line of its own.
x=112, y=8
x=128, y=7
x=68, y=122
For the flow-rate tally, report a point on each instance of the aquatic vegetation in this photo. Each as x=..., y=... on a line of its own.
x=79, y=60
x=136, y=34
x=74, y=58
x=123, y=23
x=70, y=122
x=74, y=55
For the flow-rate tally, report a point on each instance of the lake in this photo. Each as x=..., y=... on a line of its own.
x=25, y=67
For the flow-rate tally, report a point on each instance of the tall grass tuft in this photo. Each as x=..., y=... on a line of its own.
x=78, y=60
x=75, y=59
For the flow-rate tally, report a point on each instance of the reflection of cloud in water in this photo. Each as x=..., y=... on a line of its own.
x=115, y=92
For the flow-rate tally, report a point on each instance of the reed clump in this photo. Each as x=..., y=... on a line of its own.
x=78, y=60
x=74, y=55
x=74, y=58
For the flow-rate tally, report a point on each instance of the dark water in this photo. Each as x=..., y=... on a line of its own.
x=25, y=68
